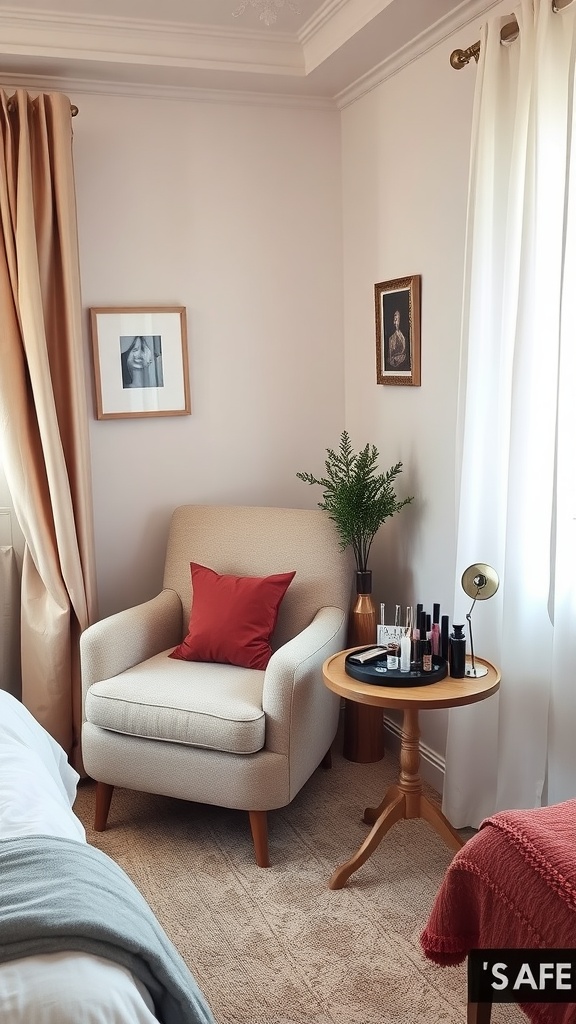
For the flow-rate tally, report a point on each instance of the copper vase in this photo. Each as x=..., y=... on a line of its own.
x=362, y=622
x=363, y=724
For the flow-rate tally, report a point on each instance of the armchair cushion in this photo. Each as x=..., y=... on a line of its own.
x=218, y=707
x=232, y=617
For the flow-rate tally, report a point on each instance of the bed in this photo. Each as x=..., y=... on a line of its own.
x=78, y=942
x=511, y=886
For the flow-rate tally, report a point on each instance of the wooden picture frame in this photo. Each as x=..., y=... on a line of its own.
x=398, y=331
x=140, y=356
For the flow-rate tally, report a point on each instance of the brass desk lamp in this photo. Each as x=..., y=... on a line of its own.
x=479, y=581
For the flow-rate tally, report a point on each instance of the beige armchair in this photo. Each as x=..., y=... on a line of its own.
x=215, y=733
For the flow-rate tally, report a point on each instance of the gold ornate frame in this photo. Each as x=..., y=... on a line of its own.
x=397, y=307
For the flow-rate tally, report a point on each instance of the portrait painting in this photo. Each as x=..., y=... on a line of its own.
x=397, y=308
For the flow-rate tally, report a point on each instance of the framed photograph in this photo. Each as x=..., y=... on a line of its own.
x=398, y=331
x=140, y=361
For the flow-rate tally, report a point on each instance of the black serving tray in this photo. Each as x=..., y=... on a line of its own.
x=394, y=677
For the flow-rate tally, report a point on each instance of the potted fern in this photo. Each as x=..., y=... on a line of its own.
x=358, y=499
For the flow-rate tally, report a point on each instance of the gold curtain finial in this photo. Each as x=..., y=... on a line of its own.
x=460, y=58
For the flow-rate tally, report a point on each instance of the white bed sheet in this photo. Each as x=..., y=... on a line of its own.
x=71, y=988
x=37, y=791
x=37, y=784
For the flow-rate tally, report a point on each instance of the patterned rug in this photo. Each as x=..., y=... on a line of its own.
x=277, y=946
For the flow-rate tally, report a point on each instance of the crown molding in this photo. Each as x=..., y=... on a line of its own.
x=317, y=21
x=333, y=25
x=352, y=13
x=106, y=56
x=74, y=87
x=131, y=41
x=59, y=20
x=468, y=12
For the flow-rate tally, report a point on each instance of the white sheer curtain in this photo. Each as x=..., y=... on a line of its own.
x=517, y=504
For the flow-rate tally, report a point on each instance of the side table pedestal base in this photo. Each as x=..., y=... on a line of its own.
x=405, y=799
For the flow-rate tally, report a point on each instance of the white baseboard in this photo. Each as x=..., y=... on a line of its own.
x=432, y=765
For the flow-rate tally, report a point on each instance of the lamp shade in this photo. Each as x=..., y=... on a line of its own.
x=480, y=581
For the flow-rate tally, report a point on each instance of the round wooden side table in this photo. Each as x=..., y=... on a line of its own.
x=405, y=799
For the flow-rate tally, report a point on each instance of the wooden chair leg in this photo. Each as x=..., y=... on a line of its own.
x=103, y=799
x=326, y=761
x=259, y=826
x=479, y=1013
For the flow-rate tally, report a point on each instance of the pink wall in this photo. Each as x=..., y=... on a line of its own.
x=233, y=211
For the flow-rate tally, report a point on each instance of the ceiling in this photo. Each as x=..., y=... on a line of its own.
x=323, y=51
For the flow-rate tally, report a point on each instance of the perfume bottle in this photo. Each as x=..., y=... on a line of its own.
x=457, y=652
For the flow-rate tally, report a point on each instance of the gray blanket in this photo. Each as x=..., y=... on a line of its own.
x=59, y=895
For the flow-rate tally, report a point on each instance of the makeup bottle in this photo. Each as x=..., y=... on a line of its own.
x=444, y=638
x=415, y=654
x=406, y=642
x=457, y=652
x=421, y=641
x=436, y=630
x=425, y=644
x=393, y=655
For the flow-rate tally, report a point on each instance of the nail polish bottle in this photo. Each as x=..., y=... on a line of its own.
x=457, y=652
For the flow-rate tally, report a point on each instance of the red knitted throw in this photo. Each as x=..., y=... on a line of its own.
x=512, y=886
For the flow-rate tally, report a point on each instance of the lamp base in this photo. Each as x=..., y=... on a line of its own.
x=475, y=673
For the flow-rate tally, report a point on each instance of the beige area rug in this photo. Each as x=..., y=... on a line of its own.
x=276, y=946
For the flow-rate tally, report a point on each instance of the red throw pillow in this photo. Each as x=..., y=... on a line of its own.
x=232, y=617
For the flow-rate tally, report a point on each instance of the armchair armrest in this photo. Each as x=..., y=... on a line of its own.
x=129, y=637
x=294, y=693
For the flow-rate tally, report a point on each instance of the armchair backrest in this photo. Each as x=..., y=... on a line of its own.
x=254, y=541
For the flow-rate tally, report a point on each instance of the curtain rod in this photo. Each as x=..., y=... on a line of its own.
x=460, y=58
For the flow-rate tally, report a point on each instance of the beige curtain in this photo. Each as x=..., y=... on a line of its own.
x=43, y=407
